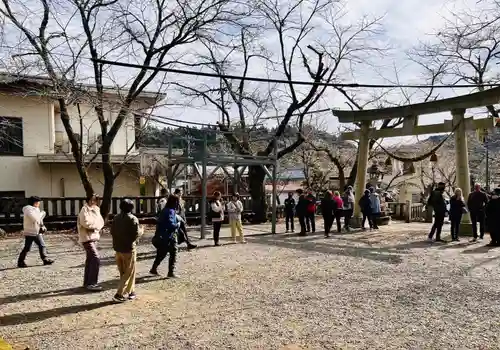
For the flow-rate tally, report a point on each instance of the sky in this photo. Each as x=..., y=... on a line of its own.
x=405, y=23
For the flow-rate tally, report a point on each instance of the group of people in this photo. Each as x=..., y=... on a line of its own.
x=333, y=207
x=484, y=210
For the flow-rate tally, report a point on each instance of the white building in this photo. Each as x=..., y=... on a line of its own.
x=35, y=156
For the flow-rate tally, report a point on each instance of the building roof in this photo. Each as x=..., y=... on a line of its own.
x=21, y=82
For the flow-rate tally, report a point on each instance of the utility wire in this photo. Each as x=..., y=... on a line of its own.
x=282, y=81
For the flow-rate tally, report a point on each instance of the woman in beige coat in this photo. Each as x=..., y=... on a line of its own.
x=89, y=224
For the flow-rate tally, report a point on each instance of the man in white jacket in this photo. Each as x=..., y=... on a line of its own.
x=33, y=228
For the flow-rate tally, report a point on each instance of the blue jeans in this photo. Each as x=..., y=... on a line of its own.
x=28, y=241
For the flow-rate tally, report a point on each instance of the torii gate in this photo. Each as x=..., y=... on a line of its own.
x=459, y=124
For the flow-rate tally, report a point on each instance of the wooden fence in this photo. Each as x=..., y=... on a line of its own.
x=400, y=211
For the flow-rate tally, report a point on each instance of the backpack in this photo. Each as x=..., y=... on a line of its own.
x=311, y=208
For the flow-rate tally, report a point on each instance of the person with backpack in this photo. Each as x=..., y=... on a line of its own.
x=33, y=229
x=301, y=211
x=311, y=212
x=327, y=208
x=437, y=202
x=493, y=218
x=217, y=215
x=365, y=203
x=289, y=212
x=125, y=230
x=376, y=207
x=165, y=238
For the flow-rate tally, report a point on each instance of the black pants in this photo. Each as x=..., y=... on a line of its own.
x=437, y=226
x=28, y=241
x=162, y=251
x=338, y=217
x=477, y=217
x=495, y=237
x=370, y=220
x=92, y=264
x=302, y=222
x=347, y=218
x=310, y=222
x=183, y=236
x=289, y=221
x=328, y=222
x=374, y=217
x=217, y=225
x=455, y=220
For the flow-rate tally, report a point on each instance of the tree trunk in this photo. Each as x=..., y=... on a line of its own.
x=256, y=177
x=109, y=181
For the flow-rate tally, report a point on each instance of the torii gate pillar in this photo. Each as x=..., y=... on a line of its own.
x=462, y=161
x=364, y=145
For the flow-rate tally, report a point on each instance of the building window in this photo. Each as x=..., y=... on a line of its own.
x=11, y=136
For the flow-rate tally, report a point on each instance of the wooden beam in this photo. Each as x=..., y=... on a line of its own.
x=478, y=99
x=447, y=126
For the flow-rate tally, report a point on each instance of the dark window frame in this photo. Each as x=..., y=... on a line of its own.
x=11, y=136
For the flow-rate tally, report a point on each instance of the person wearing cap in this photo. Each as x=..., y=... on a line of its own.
x=33, y=228
x=125, y=231
x=493, y=218
x=89, y=224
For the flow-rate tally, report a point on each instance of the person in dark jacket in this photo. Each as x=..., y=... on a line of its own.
x=165, y=238
x=327, y=207
x=289, y=212
x=365, y=203
x=438, y=204
x=125, y=231
x=301, y=211
x=457, y=209
x=311, y=213
x=476, y=203
x=493, y=218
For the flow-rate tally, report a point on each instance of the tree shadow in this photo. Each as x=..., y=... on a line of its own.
x=106, y=285
x=479, y=250
x=376, y=254
x=30, y=317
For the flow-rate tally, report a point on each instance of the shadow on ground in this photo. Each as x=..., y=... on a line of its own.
x=30, y=317
x=106, y=285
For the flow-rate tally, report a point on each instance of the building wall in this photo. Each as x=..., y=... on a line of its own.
x=40, y=122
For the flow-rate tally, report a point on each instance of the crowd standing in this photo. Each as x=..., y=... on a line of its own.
x=171, y=228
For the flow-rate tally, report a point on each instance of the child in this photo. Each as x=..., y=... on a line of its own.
x=125, y=231
x=33, y=228
x=235, y=208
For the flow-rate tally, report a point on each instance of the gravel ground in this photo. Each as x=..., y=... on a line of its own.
x=385, y=289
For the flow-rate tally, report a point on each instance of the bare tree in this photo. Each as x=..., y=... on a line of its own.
x=287, y=46
x=60, y=37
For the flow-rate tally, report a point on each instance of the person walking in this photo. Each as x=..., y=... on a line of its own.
x=338, y=210
x=181, y=211
x=366, y=209
x=493, y=218
x=234, y=209
x=33, y=229
x=165, y=238
x=327, y=208
x=217, y=214
x=457, y=209
x=476, y=202
x=438, y=204
x=301, y=211
x=125, y=230
x=376, y=208
x=289, y=212
x=89, y=224
x=160, y=204
x=311, y=212
x=348, y=201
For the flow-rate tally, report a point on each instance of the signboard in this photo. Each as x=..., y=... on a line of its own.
x=142, y=180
